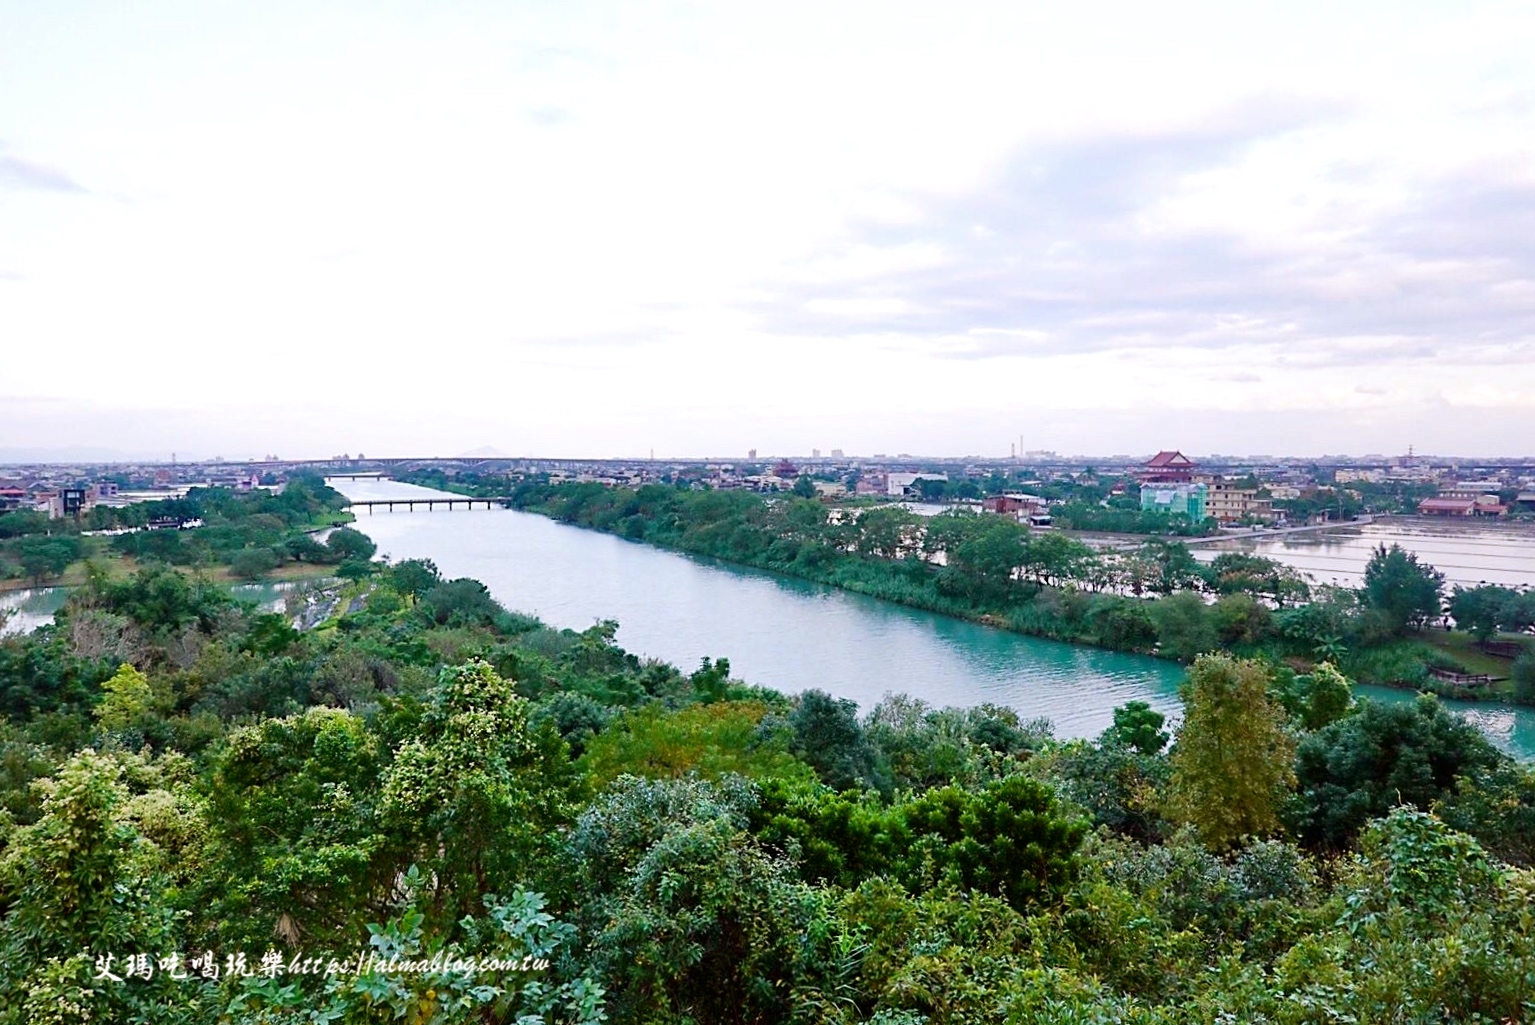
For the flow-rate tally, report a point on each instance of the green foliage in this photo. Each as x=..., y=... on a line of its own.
x=253, y=563
x=476, y=794
x=953, y=880
x=297, y=846
x=1362, y=766
x=1406, y=592
x=162, y=599
x=346, y=544
x=461, y=602
x=78, y=885
x=1523, y=675
x=1009, y=840
x=1483, y=611
x=689, y=918
x=1327, y=696
x=1254, y=575
x=42, y=557
x=1138, y=726
x=917, y=747
x=1231, y=763
x=126, y=696
x=515, y=932
x=709, y=739
x=828, y=736
x=415, y=577
x=1185, y=626
x=1119, y=787
x=1497, y=806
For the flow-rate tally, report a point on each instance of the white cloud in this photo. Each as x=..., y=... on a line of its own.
x=577, y=227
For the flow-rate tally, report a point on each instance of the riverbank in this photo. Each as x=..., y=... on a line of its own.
x=883, y=556
x=120, y=566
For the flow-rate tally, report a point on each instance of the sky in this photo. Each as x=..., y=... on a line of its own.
x=606, y=229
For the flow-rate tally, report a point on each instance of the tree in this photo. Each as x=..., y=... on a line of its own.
x=478, y=792
x=1524, y=678
x=1053, y=557
x=346, y=544
x=804, y=487
x=1362, y=766
x=304, y=548
x=1175, y=567
x=1326, y=696
x=43, y=557
x=1407, y=592
x=78, y=884
x=295, y=847
x=1011, y=840
x=1231, y=763
x=1137, y=725
x=252, y=563
x=884, y=531
x=688, y=917
x=1185, y=626
x=126, y=696
x=463, y=602
x=415, y=576
x=828, y=736
x=1483, y=611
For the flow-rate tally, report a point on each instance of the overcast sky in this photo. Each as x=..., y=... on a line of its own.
x=600, y=229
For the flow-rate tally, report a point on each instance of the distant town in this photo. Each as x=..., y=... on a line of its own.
x=1229, y=490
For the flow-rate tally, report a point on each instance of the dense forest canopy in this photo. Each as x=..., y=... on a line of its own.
x=431, y=779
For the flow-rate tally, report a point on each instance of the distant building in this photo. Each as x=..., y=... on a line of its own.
x=1483, y=505
x=1175, y=499
x=1168, y=468
x=909, y=485
x=1447, y=507
x=1030, y=509
x=1471, y=489
x=1230, y=503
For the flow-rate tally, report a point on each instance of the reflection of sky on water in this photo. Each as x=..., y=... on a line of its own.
x=1466, y=554
x=31, y=608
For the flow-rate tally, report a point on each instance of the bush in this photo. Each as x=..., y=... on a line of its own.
x=1524, y=678
x=253, y=563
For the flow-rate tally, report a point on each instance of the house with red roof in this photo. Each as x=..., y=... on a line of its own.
x=1168, y=468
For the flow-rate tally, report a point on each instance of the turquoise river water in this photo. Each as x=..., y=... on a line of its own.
x=790, y=634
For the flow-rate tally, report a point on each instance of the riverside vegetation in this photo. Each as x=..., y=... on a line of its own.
x=1154, y=600
x=243, y=535
x=428, y=776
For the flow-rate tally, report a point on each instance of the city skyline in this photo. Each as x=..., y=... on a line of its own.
x=605, y=229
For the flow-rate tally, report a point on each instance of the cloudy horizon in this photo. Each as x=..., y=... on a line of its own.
x=603, y=229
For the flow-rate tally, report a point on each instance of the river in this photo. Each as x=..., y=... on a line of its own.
x=790, y=634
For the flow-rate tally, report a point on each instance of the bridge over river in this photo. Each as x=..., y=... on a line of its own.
x=409, y=504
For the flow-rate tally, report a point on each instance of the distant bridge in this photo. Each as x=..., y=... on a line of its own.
x=410, y=504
